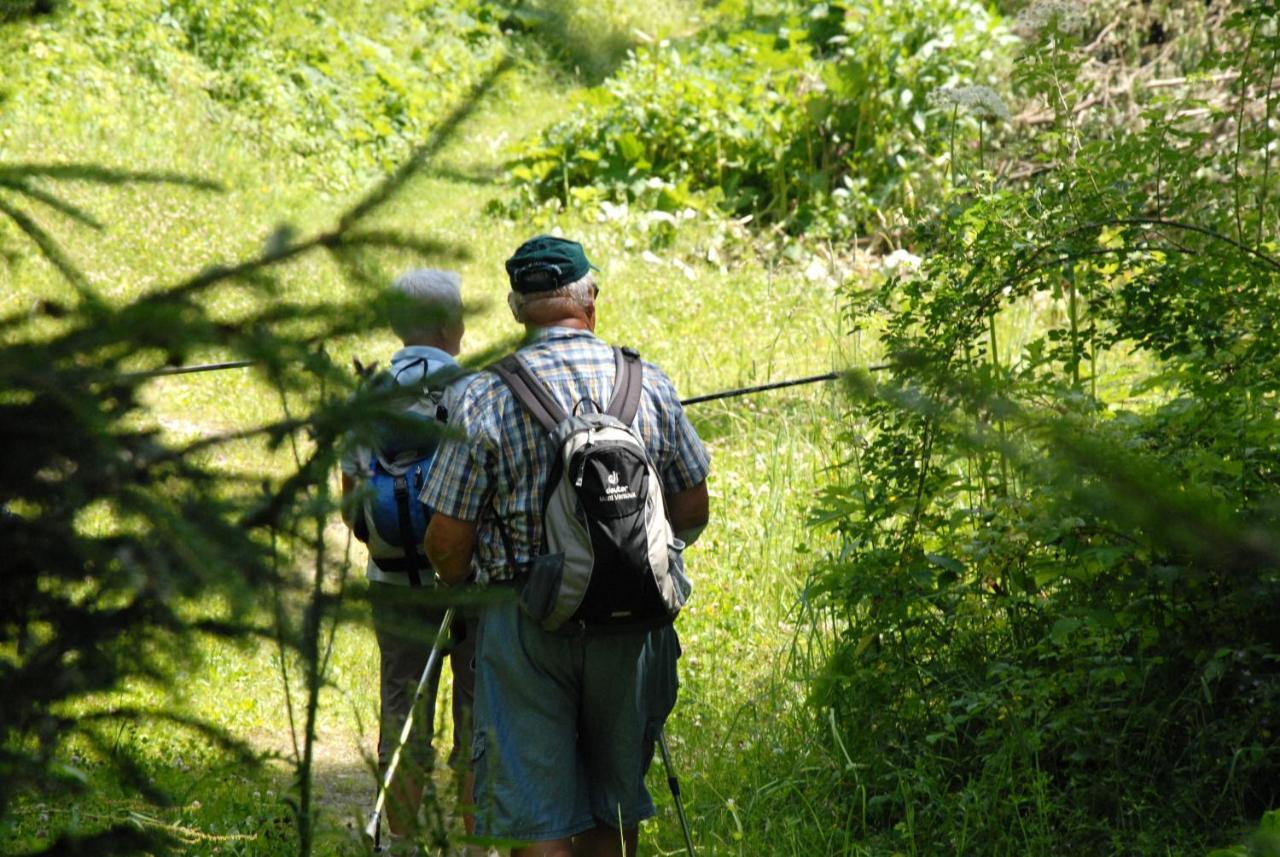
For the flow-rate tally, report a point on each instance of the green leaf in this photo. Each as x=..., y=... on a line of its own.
x=949, y=563
x=630, y=147
x=1063, y=629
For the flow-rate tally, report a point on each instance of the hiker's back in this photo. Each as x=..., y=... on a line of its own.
x=579, y=371
x=608, y=559
x=398, y=436
x=563, y=715
x=391, y=468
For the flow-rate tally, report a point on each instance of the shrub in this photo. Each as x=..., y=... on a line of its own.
x=816, y=119
x=1054, y=598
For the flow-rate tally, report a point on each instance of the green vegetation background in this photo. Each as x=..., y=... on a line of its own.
x=940, y=613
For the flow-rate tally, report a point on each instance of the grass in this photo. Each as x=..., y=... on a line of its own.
x=740, y=735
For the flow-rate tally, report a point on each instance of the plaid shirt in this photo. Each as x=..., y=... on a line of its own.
x=507, y=458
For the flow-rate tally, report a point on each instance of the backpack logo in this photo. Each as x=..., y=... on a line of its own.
x=616, y=490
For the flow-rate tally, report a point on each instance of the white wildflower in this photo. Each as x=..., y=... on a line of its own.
x=979, y=100
x=817, y=270
x=652, y=217
x=900, y=262
x=1068, y=15
x=613, y=212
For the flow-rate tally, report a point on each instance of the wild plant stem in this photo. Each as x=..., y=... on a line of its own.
x=1266, y=150
x=1073, y=318
x=282, y=651
x=311, y=658
x=951, y=164
x=982, y=147
x=1244, y=92
x=1000, y=426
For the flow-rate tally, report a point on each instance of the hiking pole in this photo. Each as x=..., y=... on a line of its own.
x=775, y=385
x=373, y=828
x=674, y=785
x=168, y=371
x=695, y=400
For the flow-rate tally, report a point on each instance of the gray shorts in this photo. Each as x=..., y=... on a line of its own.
x=565, y=725
x=405, y=621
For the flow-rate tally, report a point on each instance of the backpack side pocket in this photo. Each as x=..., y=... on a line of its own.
x=681, y=586
x=538, y=595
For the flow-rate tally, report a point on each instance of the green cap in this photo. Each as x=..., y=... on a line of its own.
x=546, y=263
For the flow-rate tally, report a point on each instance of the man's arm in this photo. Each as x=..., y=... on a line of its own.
x=350, y=513
x=689, y=512
x=449, y=543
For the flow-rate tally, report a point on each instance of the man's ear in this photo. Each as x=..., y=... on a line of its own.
x=455, y=338
x=591, y=317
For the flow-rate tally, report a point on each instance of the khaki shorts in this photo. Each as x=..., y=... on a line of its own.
x=405, y=621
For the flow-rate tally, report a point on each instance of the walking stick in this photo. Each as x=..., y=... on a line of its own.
x=674, y=785
x=373, y=828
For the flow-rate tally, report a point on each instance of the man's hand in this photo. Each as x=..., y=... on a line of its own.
x=448, y=544
x=688, y=511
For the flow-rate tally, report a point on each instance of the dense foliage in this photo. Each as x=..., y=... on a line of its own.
x=128, y=547
x=816, y=117
x=1055, y=603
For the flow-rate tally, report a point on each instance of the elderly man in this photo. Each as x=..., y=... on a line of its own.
x=429, y=322
x=565, y=721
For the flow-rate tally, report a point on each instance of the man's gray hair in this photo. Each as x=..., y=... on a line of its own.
x=436, y=307
x=580, y=292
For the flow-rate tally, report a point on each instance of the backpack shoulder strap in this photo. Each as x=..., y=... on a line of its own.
x=529, y=391
x=443, y=377
x=436, y=385
x=628, y=383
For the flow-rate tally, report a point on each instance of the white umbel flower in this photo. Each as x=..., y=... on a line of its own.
x=1069, y=15
x=978, y=100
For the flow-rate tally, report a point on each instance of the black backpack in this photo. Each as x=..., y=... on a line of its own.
x=608, y=556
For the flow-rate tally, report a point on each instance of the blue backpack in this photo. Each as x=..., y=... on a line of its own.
x=393, y=521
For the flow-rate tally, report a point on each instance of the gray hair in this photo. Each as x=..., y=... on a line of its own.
x=436, y=307
x=581, y=292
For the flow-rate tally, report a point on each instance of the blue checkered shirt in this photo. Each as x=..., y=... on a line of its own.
x=506, y=457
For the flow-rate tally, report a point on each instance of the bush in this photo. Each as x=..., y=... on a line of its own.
x=1054, y=602
x=816, y=119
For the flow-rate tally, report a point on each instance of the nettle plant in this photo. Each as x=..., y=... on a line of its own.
x=1055, y=600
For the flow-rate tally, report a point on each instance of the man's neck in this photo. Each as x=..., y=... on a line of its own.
x=572, y=321
x=429, y=343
